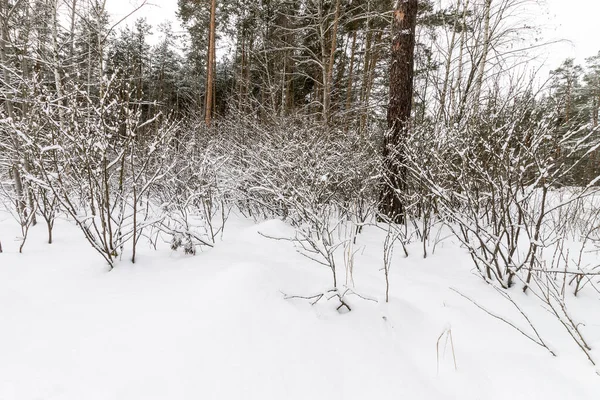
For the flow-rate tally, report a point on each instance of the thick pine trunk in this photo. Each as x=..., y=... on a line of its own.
x=399, y=110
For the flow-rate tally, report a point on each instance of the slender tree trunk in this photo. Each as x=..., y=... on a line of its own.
x=101, y=7
x=484, y=54
x=445, y=83
x=347, y=116
x=594, y=105
x=210, y=64
x=329, y=75
x=400, y=106
x=365, y=78
x=374, y=59
x=55, y=61
x=214, y=90
x=243, y=79
x=458, y=82
x=322, y=88
x=25, y=95
x=5, y=12
x=350, y=73
x=282, y=105
x=72, y=31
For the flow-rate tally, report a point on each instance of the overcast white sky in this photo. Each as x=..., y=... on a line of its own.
x=575, y=21
x=155, y=11
x=578, y=22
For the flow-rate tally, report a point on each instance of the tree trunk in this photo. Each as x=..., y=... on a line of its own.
x=16, y=172
x=329, y=74
x=72, y=31
x=370, y=74
x=457, y=87
x=442, y=111
x=484, y=54
x=350, y=74
x=399, y=110
x=364, y=101
x=210, y=65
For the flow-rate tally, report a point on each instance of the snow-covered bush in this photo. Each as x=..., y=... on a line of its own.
x=315, y=181
x=493, y=180
x=192, y=199
x=99, y=159
x=497, y=180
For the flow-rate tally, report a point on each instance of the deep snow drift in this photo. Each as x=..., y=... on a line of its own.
x=217, y=326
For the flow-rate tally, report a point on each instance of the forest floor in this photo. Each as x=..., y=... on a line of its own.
x=217, y=325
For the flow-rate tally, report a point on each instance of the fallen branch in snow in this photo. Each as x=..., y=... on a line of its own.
x=316, y=296
x=329, y=294
x=275, y=237
x=537, y=339
x=351, y=291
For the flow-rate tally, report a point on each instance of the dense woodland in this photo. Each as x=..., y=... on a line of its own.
x=328, y=114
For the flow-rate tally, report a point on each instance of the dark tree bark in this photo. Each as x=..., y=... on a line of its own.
x=399, y=110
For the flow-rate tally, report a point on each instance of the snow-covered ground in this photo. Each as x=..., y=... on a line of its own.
x=217, y=326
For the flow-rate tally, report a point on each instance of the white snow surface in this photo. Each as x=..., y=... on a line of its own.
x=217, y=326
